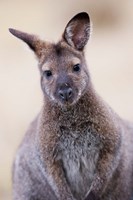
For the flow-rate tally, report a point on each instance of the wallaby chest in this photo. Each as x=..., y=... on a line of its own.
x=79, y=148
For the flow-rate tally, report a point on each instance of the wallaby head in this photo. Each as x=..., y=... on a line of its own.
x=64, y=74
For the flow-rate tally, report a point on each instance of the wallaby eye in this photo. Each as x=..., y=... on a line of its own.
x=47, y=73
x=76, y=68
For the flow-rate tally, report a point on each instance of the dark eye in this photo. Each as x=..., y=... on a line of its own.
x=47, y=73
x=76, y=68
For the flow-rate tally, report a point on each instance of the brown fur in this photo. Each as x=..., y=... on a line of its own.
x=77, y=147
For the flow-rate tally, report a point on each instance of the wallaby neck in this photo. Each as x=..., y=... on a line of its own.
x=90, y=107
x=89, y=113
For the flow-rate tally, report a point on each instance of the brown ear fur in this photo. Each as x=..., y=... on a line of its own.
x=32, y=41
x=77, y=31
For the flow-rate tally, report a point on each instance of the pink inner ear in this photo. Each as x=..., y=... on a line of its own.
x=77, y=31
x=80, y=37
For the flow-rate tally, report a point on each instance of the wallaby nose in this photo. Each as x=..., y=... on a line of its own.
x=65, y=93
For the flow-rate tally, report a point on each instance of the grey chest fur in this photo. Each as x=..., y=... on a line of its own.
x=79, y=150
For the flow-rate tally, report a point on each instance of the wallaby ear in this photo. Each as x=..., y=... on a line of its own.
x=77, y=31
x=33, y=41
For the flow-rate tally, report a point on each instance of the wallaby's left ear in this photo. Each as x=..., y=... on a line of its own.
x=77, y=31
x=33, y=41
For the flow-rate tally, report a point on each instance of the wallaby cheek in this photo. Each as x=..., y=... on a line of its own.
x=84, y=84
x=81, y=85
x=47, y=88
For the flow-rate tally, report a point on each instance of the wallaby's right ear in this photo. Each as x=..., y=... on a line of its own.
x=77, y=31
x=33, y=41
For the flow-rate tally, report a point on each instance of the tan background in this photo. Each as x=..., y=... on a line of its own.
x=109, y=55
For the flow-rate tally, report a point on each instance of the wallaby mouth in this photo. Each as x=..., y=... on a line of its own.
x=66, y=94
x=66, y=97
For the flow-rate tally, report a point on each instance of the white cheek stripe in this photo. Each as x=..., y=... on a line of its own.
x=46, y=66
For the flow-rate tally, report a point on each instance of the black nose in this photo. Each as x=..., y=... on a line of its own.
x=65, y=93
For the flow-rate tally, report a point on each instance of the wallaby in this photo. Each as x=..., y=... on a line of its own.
x=77, y=148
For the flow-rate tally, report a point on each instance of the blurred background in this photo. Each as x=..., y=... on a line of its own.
x=109, y=54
